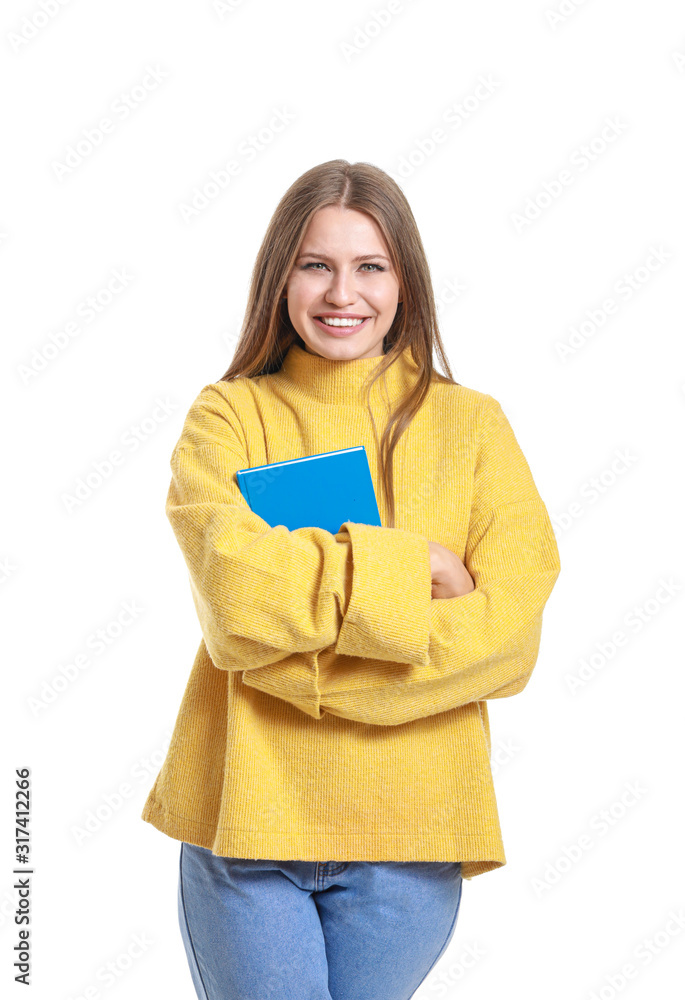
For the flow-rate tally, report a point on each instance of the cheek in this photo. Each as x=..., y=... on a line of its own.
x=386, y=297
x=294, y=291
x=300, y=290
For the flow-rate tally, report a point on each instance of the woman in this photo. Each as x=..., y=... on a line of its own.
x=337, y=705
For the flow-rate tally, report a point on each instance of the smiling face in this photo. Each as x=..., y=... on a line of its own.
x=343, y=270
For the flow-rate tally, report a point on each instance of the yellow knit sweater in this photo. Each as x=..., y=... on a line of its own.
x=334, y=710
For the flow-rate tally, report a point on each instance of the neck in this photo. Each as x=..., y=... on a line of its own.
x=313, y=378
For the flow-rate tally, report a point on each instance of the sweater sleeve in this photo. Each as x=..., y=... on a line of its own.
x=483, y=644
x=269, y=599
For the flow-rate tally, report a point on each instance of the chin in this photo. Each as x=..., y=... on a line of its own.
x=346, y=348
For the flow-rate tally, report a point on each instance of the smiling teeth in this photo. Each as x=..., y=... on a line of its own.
x=334, y=321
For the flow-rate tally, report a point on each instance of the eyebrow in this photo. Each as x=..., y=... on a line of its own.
x=364, y=256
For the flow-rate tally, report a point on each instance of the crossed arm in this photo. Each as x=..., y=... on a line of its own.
x=413, y=636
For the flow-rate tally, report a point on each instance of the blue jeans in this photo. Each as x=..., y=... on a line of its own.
x=313, y=930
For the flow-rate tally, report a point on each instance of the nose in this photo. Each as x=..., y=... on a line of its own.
x=341, y=291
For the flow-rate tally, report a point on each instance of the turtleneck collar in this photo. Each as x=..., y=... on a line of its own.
x=313, y=378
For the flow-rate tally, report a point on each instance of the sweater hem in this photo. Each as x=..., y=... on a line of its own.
x=477, y=853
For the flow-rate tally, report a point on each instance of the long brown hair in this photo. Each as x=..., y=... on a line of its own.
x=267, y=332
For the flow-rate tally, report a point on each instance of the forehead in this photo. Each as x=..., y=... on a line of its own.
x=337, y=232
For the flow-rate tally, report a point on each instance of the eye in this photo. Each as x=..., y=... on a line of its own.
x=318, y=263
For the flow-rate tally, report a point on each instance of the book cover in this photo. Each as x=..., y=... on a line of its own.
x=316, y=491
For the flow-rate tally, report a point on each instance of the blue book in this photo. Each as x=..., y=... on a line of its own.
x=317, y=491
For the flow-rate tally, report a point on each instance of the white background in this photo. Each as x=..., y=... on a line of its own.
x=542, y=926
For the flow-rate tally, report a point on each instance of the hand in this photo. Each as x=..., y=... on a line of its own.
x=449, y=576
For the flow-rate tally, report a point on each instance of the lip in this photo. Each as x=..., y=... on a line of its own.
x=341, y=331
x=335, y=315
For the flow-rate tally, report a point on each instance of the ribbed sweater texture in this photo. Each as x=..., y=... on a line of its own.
x=334, y=711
